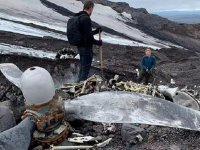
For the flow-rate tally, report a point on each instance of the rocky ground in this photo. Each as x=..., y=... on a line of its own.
x=181, y=65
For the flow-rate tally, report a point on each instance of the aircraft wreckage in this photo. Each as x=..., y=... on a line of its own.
x=47, y=112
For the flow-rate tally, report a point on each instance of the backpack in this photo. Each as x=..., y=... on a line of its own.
x=73, y=31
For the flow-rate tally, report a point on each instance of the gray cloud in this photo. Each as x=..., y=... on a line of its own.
x=159, y=5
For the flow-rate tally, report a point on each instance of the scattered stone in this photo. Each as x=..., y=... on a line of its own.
x=38, y=134
x=150, y=138
x=98, y=128
x=129, y=133
x=14, y=88
x=16, y=109
x=20, y=100
x=38, y=148
x=109, y=128
x=2, y=93
x=98, y=138
x=111, y=136
x=19, y=92
x=174, y=147
x=10, y=96
x=7, y=119
x=144, y=126
x=139, y=137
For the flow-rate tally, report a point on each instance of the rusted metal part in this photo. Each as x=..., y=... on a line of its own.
x=54, y=139
x=50, y=125
x=91, y=85
x=132, y=87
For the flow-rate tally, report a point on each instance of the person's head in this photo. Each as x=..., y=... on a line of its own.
x=88, y=7
x=148, y=52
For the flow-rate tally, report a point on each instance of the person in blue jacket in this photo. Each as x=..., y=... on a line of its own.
x=148, y=65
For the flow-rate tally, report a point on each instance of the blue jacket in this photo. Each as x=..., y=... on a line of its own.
x=148, y=62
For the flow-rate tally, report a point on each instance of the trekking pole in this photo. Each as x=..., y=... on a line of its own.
x=101, y=55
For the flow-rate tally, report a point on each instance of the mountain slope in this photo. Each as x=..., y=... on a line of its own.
x=122, y=24
x=185, y=35
x=182, y=16
x=115, y=24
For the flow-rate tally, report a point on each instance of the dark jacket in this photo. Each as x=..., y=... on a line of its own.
x=148, y=62
x=86, y=30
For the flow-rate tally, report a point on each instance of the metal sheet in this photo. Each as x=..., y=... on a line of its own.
x=18, y=137
x=12, y=73
x=125, y=107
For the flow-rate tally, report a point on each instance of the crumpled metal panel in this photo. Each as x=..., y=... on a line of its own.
x=12, y=73
x=125, y=107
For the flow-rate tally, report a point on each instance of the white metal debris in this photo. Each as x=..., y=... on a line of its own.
x=70, y=147
x=81, y=140
x=103, y=144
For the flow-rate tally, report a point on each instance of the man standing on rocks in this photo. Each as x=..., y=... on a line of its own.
x=148, y=65
x=87, y=41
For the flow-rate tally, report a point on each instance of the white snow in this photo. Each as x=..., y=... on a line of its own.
x=33, y=11
x=60, y=27
x=13, y=49
x=27, y=30
x=127, y=15
x=108, y=38
x=108, y=17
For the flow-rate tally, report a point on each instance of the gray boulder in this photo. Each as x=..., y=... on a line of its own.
x=130, y=133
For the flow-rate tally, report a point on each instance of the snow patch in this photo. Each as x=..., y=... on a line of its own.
x=60, y=27
x=108, y=17
x=27, y=30
x=24, y=11
x=127, y=15
x=13, y=49
x=32, y=10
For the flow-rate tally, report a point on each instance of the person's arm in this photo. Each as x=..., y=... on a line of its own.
x=87, y=31
x=99, y=29
x=154, y=63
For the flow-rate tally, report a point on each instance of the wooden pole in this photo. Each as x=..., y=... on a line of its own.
x=101, y=55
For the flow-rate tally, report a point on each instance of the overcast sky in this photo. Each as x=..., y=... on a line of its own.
x=159, y=5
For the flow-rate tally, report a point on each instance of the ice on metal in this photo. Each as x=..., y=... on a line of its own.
x=125, y=107
x=36, y=83
x=12, y=73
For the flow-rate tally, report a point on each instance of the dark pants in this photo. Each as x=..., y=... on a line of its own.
x=146, y=76
x=86, y=56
